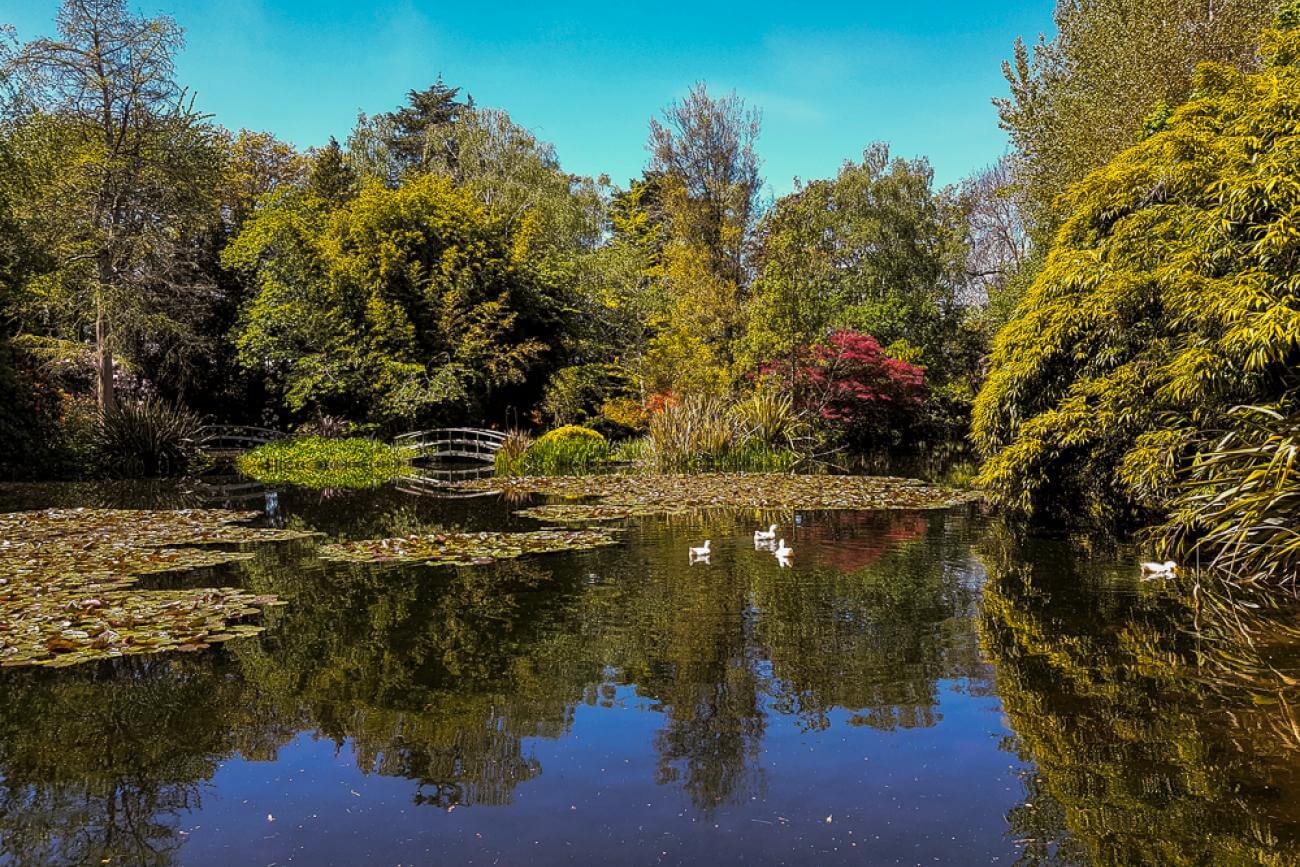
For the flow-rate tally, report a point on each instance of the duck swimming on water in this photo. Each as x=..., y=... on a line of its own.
x=1151, y=569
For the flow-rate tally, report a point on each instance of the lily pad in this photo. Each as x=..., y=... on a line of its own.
x=626, y=496
x=465, y=549
x=67, y=579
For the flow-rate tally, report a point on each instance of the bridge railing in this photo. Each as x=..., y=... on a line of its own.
x=217, y=437
x=459, y=442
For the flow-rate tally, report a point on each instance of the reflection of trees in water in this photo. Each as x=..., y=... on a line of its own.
x=431, y=674
x=100, y=763
x=1150, y=742
x=878, y=640
x=440, y=675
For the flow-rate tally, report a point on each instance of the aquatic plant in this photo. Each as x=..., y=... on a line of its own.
x=67, y=579
x=623, y=496
x=320, y=462
x=465, y=549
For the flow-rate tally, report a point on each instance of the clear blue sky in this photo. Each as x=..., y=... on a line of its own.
x=829, y=77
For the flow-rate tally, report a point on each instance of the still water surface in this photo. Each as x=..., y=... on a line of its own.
x=919, y=688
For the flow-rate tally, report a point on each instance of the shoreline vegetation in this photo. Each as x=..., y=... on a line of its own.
x=321, y=462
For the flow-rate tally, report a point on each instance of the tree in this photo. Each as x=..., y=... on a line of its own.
x=1168, y=298
x=795, y=300
x=874, y=249
x=704, y=150
x=398, y=305
x=703, y=157
x=330, y=178
x=1078, y=100
x=849, y=382
x=126, y=171
x=392, y=145
x=257, y=163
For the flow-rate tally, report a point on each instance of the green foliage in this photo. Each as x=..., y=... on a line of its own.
x=119, y=175
x=400, y=306
x=1168, y=298
x=148, y=437
x=575, y=394
x=571, y=432
x=875, y=249
x=1077, y=101
x=758, y=433
x=319, y=462
x=509, y=459
x=1238, y=505
x=565, y=449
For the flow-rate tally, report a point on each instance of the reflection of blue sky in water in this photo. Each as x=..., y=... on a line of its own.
x=606, y=705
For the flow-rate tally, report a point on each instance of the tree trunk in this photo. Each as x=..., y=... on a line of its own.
x=104, y=354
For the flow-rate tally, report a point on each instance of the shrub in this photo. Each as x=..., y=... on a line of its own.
x=710, y=433
x=1168, y=297
x=770, y=418
x=562, y=450
x=318, y=462
x=626, y=413
x=1238, y=505
x=509, y=460
x=149, y=437
x=571, y=432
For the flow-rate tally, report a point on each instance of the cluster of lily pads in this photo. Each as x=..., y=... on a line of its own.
x=68, y=576
x=626, y=496
x=465, y=549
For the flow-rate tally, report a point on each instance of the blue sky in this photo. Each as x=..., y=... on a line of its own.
x=829, y=77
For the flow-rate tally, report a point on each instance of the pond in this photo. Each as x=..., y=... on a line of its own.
x=918, y=687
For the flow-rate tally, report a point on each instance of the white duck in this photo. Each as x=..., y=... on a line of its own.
x=702, y=552
x=1167, y=569
x=767, y=535
x=783, y=562
x=782, y=552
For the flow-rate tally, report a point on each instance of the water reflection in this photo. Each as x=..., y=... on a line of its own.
x=1155, y=732
x=763, y=697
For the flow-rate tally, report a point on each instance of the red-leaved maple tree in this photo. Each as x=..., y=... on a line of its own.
x=851, y=383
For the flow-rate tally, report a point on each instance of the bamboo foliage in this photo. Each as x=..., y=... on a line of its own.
x=1169, y=296
x=1238, y=510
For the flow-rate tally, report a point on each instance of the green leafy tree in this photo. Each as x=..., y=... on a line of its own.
x=396, y=305
x=875, y=249
x=392, y=145
x=1078, y=100
x=1168, y=298
x=123, y=173
x=703, y=157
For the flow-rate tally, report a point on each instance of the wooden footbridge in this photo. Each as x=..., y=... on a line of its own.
x=469, y=443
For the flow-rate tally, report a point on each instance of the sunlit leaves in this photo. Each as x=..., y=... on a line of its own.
x=1169, y=297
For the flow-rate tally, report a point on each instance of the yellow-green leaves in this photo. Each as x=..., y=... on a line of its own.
x=1168, y=297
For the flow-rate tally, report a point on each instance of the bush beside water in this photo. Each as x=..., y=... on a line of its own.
x=321, y=462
